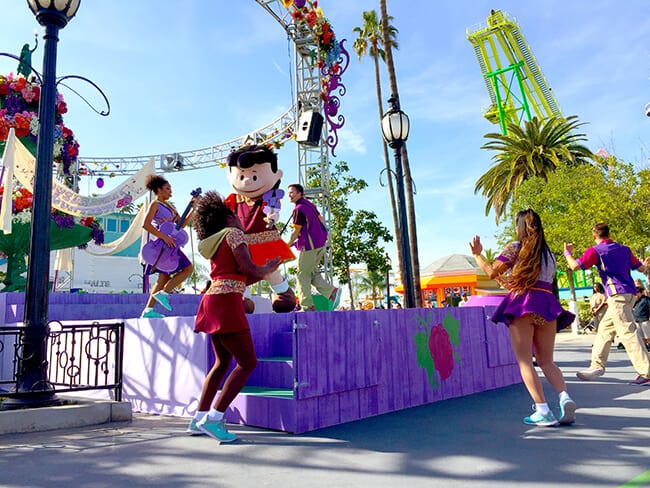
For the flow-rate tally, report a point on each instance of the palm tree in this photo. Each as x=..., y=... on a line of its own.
x=373, y=281
x=370, y=42
x=536, y=149
x=410, y=204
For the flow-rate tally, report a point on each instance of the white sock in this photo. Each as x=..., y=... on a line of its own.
x=542, y=408
x=215, y=415
x=280, y=287
x=198, y=416
x=161, y=292
x=147, y=309
x=564, y=396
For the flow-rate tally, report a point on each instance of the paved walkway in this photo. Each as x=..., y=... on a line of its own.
x=474, y=441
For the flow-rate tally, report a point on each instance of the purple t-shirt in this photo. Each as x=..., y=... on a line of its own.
x=614, y=262
x=313, y=234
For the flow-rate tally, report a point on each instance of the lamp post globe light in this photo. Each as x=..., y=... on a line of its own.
x=395, y=129
x=31, y=376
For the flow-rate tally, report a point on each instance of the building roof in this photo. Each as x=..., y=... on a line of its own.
x=453, y=264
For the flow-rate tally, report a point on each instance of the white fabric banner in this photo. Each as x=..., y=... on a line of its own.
x=133, y=233
x=64, y=199
x=8, y=159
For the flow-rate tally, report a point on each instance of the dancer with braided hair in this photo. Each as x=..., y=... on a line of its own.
x=532, y=313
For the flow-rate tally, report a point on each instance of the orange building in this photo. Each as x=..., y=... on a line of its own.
x=447, y=278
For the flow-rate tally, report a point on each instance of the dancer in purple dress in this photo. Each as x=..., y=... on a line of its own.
x=532, y=313
x=160, y=210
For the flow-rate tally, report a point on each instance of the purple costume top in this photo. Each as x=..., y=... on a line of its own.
x=313, y=234
x=538, y=300
x=165, y=213
x=614, y=262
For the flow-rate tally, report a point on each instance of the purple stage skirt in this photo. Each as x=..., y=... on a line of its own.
x=538, y=300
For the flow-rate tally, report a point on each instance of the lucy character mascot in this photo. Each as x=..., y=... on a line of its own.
x=252, y=172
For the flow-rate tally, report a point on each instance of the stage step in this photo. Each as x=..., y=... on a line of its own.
x=269, y=408
x=273, y=372
x=263, y=391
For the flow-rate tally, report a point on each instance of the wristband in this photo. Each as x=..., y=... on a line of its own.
x=567, y=252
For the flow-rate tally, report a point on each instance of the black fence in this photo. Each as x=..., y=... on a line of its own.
x=80, y=357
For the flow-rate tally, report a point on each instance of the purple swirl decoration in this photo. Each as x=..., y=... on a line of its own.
x=332, y=89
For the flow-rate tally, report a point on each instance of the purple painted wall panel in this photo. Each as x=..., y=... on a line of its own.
x=349, y=406
x=350, y=364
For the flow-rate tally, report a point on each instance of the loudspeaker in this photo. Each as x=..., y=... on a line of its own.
x=310, y=126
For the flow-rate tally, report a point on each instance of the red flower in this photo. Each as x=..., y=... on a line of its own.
x=19, y=84
x=311, y=17
x=4, y=88
x=66, y=132
x=61, y=107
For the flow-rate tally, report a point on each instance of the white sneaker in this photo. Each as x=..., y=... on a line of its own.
x=590, y=374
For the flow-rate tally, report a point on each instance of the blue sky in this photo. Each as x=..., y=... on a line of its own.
x=186, y=74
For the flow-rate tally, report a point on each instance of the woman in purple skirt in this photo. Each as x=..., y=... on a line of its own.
x=532, y=312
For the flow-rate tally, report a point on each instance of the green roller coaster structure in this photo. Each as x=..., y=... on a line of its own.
x=512, y=76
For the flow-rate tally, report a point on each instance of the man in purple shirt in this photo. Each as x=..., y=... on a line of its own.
x=309, y=236
x=613, y=261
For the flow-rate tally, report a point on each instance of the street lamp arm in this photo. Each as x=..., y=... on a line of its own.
x=384, y=171
x=77, y=77
x=17, y=58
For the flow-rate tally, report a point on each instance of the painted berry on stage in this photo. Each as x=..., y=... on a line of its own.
x=435, y=346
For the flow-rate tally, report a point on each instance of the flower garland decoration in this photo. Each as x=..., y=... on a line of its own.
x=332, y=59
x=21, y=210
x=19, y=99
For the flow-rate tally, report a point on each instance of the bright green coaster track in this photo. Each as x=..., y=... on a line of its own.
x=512, y=76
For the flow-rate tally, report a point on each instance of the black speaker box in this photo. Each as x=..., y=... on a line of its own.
x=310, y=127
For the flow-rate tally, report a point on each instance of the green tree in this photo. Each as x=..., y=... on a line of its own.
x=535, y=150
x=574, y=198
x=370, y=42
x=355, y=236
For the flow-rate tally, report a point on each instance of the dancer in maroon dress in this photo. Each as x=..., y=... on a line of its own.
x=221, y=311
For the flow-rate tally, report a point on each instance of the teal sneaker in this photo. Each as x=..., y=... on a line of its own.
x=541, y=420
x=567, y=412
x=193, y=429
x=217, y=430
x=151, y=314
x=163, y=299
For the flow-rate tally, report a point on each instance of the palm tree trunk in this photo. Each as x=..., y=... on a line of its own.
x=389, y=170
x=407, y=171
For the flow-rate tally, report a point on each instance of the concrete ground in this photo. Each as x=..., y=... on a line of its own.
x=474, y=441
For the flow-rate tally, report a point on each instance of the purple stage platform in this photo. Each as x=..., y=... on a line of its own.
x=315, y=369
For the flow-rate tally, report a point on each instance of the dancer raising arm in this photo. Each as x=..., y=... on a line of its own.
x=532, y=313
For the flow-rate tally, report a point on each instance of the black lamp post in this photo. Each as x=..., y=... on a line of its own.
x=395, y=128
x=388, y=268
x=32, y=366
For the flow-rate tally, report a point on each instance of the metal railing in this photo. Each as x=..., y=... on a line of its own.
x=80, y=357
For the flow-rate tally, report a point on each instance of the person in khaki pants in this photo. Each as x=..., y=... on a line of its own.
x=309, y=236
x=614, y=262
